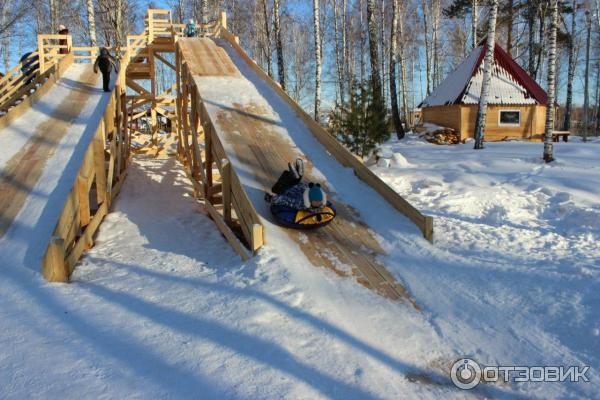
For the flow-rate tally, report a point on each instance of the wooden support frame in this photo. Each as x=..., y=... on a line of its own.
x=237, y=212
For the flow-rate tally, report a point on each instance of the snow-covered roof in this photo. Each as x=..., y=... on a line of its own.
x=510, y=83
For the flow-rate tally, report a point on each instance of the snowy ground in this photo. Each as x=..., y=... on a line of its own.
x=163, y=308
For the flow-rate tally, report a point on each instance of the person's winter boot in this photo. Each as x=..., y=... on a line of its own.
x=299, y=166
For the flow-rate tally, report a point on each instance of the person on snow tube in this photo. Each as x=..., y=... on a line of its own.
x=297, y=204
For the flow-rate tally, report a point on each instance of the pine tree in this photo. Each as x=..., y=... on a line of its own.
x=548, y=156
x=361, y=124
x=487, y=76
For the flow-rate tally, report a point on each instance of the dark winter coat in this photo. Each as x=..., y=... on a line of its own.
x=105, y=62
x=63, y=42
x=191, y=30
x=31, y=64
x=295, y=197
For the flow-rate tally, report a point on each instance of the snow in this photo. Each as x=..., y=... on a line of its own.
x=463, y=85
x=41, y=210
x=449, y=91
x=504, y=89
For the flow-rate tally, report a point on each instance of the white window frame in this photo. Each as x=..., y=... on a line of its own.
x=500, y=123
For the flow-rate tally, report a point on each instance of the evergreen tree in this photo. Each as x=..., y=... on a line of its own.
x=361, y=124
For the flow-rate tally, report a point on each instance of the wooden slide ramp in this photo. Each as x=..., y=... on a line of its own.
x=22, y=171
x=346, y=246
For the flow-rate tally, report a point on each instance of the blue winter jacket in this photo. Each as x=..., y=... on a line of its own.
x=293, y=198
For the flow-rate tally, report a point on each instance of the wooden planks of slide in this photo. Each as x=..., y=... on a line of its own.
x=23, y=170
x=346, y=246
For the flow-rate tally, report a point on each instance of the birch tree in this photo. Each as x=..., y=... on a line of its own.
x=278, y=45
x=487, y=76
x=393, y=58
x=548, y=150
x=571, y=72
x=91, y=22
x=338, y=51
x=317, y=31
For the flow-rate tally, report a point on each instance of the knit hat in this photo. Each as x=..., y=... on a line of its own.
x=315, y=193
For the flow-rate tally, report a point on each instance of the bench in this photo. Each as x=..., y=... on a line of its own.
x=556, y=135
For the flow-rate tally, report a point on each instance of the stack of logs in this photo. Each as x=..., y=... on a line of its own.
x=443, y=136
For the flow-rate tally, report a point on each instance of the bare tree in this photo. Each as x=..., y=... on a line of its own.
x=268, y=52
x=278, y=45
x=393, y=57
x=374, y=56
x=318, y=60
x=427, y=45
x=548, y=156
x=510, y=27
x=586, y=90
x=487, y=76
x=474, y=15
x=571, y=72
x=91, y=22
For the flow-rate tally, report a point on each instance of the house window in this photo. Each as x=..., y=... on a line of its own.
x=509, y=118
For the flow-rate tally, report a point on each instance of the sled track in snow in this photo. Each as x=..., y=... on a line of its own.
x=260, y=143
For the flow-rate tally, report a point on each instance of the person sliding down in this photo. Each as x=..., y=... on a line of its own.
x=296, y=204
x=106, y=63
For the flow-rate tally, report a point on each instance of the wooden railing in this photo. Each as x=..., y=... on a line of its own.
x=99, y=180
x=210, y=171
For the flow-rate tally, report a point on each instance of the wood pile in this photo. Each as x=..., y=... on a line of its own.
x=443, y=136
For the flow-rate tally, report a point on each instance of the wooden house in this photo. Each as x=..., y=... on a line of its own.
x=516, y=107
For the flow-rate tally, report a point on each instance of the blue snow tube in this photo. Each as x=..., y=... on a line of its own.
x=303, y=219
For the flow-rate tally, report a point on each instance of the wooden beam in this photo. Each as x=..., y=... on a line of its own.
x=226, y=231
x=54, y=267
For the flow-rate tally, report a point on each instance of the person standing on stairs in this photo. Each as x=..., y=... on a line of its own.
x=62, y=30
x=105, y=62
x=191, y=30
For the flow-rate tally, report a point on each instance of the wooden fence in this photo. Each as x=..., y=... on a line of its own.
x=100, y=177
x=209, y=169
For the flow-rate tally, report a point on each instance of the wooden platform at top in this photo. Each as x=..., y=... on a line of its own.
x=346, y=246
x=204, y=58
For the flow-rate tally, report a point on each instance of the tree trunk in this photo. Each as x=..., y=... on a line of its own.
x=510, y=26
x=383, y=52
x=474, y=15
x=548, y=156
x=402, y=60
x=487, y=76
x=53, y=15
x=362, y=42
x=427, y=52
x=436, y=9
x=338, y=51
x=393, y=55
x=531, y=38
x=204, y=12
x=346, y=70
x=91, y=22
x=317, y=30
x=571, y=73
x=268, y=52
x=586, y=90
x=279, y=45
x=373, y=53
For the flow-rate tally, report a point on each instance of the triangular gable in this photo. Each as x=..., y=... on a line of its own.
x=510, y=83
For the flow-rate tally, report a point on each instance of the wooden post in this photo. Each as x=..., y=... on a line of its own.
x=223, y=19
x=41, y=55
x=99, y=167
x=69, y=43
x=54, y=267
x=226, y=186
x=84, y=200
